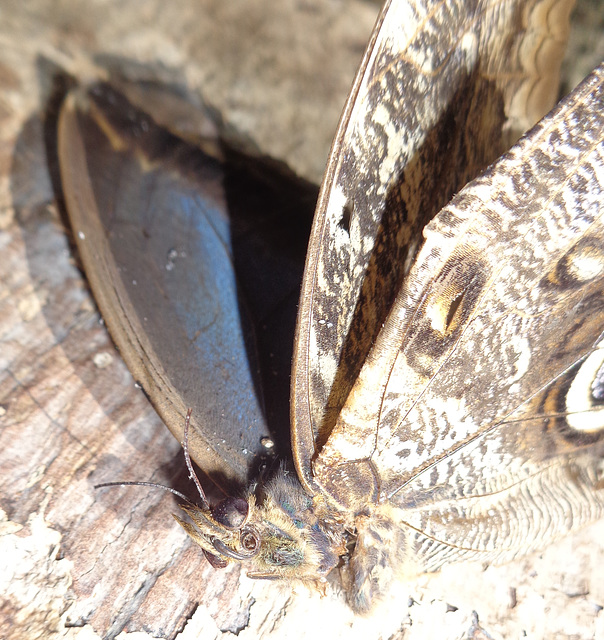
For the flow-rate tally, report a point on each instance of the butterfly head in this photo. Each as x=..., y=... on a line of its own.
x=278, y=531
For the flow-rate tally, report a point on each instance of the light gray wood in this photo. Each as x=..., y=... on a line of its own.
x=74, y=564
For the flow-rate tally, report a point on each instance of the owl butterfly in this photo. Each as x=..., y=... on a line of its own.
x=447, y=383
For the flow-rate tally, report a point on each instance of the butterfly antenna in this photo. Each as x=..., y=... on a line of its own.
x=144, y=484
x=185, y=446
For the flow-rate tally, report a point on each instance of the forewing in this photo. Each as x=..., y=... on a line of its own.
x=155, y=235
x=442, y=89
x=479, y=410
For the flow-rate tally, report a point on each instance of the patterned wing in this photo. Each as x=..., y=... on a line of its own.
x=442, y=90
x=479, y=412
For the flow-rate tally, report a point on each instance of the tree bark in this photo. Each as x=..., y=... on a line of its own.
x=75, y=563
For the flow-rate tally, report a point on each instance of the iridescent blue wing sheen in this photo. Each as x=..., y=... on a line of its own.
x=184, y=269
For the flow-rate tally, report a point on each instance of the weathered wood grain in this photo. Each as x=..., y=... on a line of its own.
x=77, y=564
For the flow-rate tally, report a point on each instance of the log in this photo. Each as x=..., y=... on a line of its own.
x=75, y=563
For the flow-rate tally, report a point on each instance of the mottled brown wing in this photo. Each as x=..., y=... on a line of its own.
x=443, y=89
x=488, y=369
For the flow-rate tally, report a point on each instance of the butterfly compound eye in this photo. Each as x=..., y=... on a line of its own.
x=249, y=542
x=231, y=512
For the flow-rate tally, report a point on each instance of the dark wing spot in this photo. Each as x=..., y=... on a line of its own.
x=344, y=222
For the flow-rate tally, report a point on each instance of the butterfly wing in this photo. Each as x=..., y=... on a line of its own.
x=442, y=90
x=174, y=278
x=476, y=427
x=501, y=317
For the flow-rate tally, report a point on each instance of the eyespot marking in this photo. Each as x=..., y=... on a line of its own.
x=583, y=263
x=585, y=395
x=455, y=292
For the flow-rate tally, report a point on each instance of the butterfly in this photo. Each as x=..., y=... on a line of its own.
x=447, y=378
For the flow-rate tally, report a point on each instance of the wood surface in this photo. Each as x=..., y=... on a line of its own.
x=75, y=563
